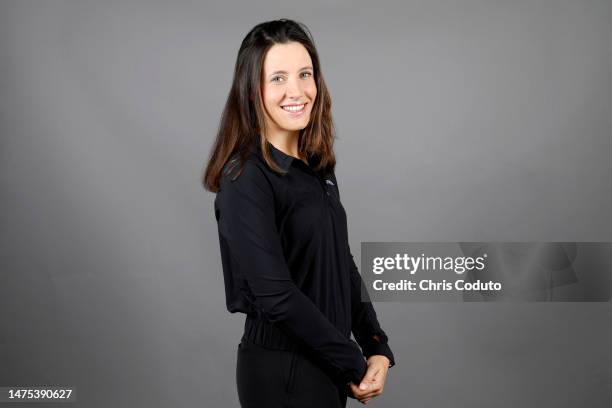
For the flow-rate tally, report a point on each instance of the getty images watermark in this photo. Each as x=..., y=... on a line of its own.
x=483, y=271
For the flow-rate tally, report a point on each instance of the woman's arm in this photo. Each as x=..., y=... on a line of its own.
x=247, y=221
x=365, y=326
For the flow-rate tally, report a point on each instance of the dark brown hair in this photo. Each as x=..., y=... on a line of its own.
x=242, y=120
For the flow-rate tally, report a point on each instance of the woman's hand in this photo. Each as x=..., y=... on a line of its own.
x=373, y=381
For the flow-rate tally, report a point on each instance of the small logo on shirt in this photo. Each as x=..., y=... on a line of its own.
x=329, y=182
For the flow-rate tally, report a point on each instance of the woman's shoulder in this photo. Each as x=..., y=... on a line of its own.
x=243, y=186
x=243, y=175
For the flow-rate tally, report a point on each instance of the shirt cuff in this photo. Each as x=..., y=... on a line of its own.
x=382, y=349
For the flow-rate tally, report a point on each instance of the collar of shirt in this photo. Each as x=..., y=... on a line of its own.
x=284, y=160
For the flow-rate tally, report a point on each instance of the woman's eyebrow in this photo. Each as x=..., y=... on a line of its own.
x=284, y=72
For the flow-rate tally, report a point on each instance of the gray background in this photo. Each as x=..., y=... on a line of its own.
x=457, y=121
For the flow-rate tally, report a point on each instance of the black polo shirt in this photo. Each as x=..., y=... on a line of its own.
x=287, y=262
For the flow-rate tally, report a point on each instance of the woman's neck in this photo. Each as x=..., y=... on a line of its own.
x=286, y=143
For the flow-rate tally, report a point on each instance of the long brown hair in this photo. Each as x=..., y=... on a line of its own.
x=243, y=120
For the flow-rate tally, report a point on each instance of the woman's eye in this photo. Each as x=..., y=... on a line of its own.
x=279, y=78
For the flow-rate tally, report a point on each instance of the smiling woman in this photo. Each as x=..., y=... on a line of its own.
x=283, y=234
x=288, y=88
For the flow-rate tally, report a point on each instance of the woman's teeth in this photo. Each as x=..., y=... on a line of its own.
x=294, y=108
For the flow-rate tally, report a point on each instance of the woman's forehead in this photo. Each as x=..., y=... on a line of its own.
x=288, y=57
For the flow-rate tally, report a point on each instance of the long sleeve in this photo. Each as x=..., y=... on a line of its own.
x=364, y=322
x=365, y=326
x=248, y=224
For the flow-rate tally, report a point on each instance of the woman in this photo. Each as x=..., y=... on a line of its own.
x=283, y=234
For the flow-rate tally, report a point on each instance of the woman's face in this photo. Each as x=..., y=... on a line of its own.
x=288, y=87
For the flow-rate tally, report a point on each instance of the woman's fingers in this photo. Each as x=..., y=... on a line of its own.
x=374, y=388
x=369, y=377
x=373, y=381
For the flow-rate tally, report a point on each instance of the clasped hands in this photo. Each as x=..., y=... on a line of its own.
x=373, y=381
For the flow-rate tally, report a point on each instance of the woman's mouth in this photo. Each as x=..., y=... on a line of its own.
x=294, y=110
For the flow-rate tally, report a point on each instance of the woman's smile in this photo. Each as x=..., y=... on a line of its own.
x=294, y=110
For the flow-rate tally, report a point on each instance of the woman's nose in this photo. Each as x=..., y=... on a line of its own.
x=294, y=88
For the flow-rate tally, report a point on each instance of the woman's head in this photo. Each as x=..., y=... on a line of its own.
x=259, y=93
x=288, y=88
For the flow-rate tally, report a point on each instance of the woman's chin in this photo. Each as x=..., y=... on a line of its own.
x=297, y=125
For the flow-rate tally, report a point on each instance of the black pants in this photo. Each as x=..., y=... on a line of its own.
x=269, y=378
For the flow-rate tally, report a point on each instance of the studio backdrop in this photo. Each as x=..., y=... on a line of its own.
x=462, y=124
